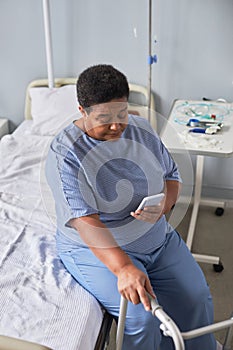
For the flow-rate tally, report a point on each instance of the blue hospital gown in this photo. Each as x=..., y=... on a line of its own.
x=110, y=178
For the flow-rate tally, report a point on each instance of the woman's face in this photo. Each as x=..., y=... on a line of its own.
x=106, y=121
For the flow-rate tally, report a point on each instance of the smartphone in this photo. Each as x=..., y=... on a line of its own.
x=151, y=200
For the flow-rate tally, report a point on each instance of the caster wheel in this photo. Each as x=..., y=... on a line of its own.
x=219, y=211
x=218, y=267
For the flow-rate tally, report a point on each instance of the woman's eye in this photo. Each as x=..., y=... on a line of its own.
x=104, y=120
x=122, y=115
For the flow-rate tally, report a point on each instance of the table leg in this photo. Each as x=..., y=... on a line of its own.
x=196, y=203
x=196, y=199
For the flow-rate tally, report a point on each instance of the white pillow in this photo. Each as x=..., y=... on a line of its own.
x=53, y=109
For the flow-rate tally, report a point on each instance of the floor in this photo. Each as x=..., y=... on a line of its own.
x=213, y=236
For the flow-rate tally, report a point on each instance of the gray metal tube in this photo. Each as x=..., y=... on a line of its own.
x=149, y=55
x=228, y=340
x=207, y=329
x=121, y=323
x=48, y=43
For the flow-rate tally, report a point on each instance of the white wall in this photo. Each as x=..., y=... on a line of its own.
x=194, y=48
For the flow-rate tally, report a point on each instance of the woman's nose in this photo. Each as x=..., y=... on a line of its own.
x=114, y=126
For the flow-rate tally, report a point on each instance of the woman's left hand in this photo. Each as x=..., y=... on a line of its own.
x=150, y=214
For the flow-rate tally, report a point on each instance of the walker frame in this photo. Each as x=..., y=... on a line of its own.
x=169, y=327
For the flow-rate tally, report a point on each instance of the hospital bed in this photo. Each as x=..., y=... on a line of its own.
x=40, y=302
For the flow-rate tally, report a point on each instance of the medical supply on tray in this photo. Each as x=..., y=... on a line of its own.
x=200, y=114
x=205, y=126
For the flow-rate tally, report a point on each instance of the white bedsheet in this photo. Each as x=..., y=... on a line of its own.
x=39, y=300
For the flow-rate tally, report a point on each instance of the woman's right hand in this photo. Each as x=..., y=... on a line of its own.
x=133, y=285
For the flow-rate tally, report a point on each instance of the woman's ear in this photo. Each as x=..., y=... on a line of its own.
x=82, y=110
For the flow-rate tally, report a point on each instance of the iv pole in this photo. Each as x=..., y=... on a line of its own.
x=48, y=43
x=151, y=60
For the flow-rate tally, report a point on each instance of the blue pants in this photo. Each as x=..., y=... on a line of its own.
x=178, y=283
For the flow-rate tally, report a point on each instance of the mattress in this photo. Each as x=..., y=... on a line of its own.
x=39, y=300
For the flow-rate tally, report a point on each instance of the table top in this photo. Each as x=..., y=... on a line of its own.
x=176, y=133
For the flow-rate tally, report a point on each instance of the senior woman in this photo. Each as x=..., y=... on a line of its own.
x=99, y=169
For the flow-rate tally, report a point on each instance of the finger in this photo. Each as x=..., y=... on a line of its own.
x=152, y=207
x=131, y=296
x=136, y=214
x=149, y=288
x=134, y=298
x=149, y=217
x=144, y=299
x=155, y=209
x=138, y=211
x=146, y=216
